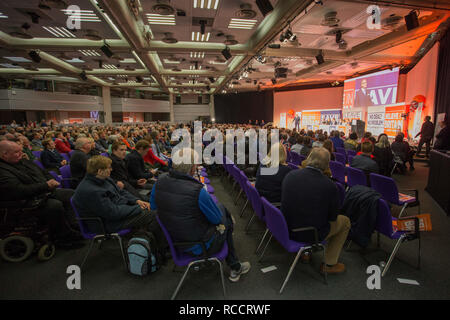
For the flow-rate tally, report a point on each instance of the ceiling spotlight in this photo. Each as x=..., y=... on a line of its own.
x=274, y=46
x=202, y=26
x=226, y=53
x=412, y=20
x=83, y=75
x=34, y=56
x=261, y=59
x=338, y=36
x=107, y=50
x=320, y=58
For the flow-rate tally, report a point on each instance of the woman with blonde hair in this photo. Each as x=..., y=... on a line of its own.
x=383, y=155
x=269, y=185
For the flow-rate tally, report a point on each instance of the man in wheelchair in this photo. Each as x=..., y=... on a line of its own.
x=25, y=184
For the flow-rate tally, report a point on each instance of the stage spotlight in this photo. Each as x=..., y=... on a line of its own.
x=412, y=20
x=320, y=58
x=226, y=53
x=274, y=81
x=264, y=6
x=83, y=75
x=34, y=56
x=107, y=50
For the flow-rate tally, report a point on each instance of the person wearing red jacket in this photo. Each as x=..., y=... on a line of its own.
x=152, y=159
x=61, y=143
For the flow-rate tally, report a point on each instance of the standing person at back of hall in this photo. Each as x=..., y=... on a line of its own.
x=426, y=134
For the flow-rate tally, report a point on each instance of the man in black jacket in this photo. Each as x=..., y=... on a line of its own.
x=426, y=134
x=120, y=173
x=135, y=161
x=78, y=160
x=364, y=160
x=310, y=199
x=50, y=157
x=23, y=182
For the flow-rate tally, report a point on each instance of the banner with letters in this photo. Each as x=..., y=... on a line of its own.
x=395, y=120
x=283, y=120
x=375, y=120
x=331, y=117
x=310, y=120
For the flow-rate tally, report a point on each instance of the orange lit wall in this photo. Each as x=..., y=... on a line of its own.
x=300, y=100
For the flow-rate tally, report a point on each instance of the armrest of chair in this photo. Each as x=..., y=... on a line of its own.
x=316, y=233
x=202, y=244
x=98, y=219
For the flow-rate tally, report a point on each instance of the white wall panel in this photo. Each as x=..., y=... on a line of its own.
x=189, y=112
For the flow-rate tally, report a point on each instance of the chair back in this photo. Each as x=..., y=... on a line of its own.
x=84, y=232
x=383, y=223
x=386, y=187
x=66, y=175
x=296, y=158
x=56, y=177
x=37, y=154
x=39, y=164
x=341, y=151
x=350, y=159
x=255, y=201
x=355, y=177
x=105, y=154
x=173, y=251
x=66, y=157
x=71, y=152
x=340, y=158
x=338, y=171
x=351, y=153
x=276, y=223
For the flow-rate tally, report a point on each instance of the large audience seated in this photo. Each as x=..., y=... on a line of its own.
x=135, y=178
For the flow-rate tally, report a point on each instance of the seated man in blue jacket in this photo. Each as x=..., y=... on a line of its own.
x=99, y=196
x=190, y=215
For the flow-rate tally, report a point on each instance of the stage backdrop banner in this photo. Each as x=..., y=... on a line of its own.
x=375, y=120
x=332, y=117
x=283, y=120
x=395, y=120
x=311, y=120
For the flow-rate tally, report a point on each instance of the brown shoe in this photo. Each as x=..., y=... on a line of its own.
x=305, y=257
x=337, y=268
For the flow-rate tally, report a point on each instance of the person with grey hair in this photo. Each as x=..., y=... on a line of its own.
x=319, y=203
x=190, y=214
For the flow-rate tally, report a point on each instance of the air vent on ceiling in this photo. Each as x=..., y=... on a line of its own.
x=391, y=22
x=330, y=19
x=92, y=35
x=163, y=7
x=168, y=38
x=230, y=40
x=246, y=11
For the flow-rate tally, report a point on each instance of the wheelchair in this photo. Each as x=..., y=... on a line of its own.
x=22, y=234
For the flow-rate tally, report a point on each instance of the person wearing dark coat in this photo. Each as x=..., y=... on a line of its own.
x=311, y=199
x=402, y=149
x=361, y=207
x=50, y=157
x=269, y=186
x=120, y=173
x=23, y=184
x=99, y=196
x=78, y=160
x=442, y=141
x=364, y=161
x=426, y=134
x=135, y=161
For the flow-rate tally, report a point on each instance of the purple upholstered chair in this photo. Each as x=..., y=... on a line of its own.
x=98, y=236
x=338, y=171
x=37, y=154
x=355, y=177
x=66, y=176
x=278, y=228
x=340, y=158
x=296, y=158
x=292, y=166
x=255, y=201
x=105, y=154
x=351, y=153
x=183, y=259
x=288, y=156
x=384, y=226
x=71, y=152
x=56, y=177
x=388, y=189
x=39, y=164
x=66, y=157
x=350, y=159
x=341, y=151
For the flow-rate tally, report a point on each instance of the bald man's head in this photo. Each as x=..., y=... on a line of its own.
x=10, y=151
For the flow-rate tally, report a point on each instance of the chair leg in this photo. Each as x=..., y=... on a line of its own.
x=262, y=240
x=403, y=209
x=264, y=251
x=119, y=238
x=182, y=280
x=243, y=208
x=87, y=254
x=222, y=276
x=247, y=227
x=291, y=269
x=237, y=198
x=394, y=252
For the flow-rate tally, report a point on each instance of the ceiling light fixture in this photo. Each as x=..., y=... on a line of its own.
x=226, y=53
x=154, y=18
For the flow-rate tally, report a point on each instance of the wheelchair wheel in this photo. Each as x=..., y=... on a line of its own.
x=46, y=252
x=16, y=248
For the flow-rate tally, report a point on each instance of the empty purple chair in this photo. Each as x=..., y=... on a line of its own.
x=340, y=158
x=182, y=259
x=388, y=189
x=384, y=226
x=278, y=228
x=355, y=177
x=98, y=236
x=338, y=171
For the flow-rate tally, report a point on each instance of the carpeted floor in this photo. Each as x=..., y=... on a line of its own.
x=105, y=277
